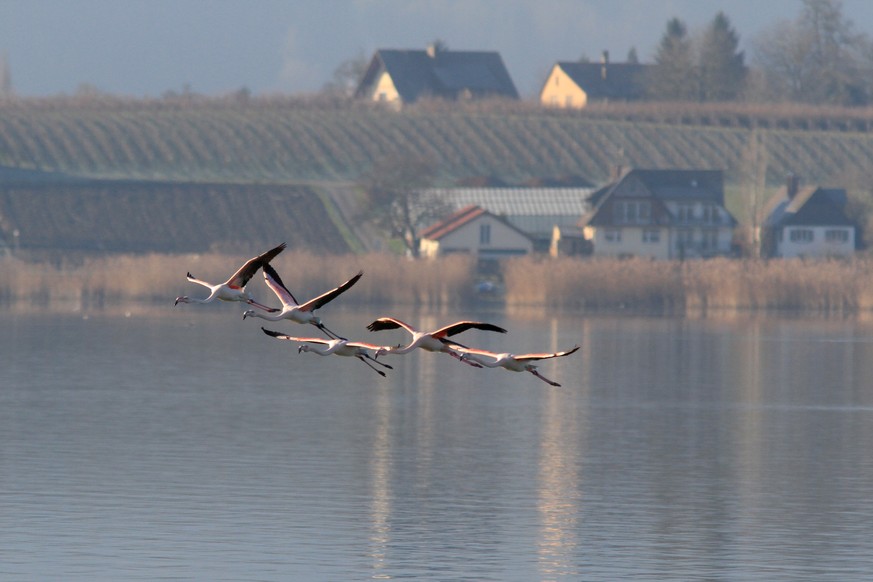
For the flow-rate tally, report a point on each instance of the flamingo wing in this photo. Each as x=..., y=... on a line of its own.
x=326, y=298
x=384, y=323
x=364, y=345
x=275, y=283
x=282, y=336
x=462, y=326
x=239, y=279
x=545, y=356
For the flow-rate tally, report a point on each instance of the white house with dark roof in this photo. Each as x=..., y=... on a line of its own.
x=474, y=231
x=660, y=214
x=532, y=210
x=807, y=221
x=404, y=76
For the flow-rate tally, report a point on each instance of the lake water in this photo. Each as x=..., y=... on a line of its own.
x=182, y=443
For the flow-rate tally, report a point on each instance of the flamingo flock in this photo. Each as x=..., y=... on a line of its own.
x=234, y=289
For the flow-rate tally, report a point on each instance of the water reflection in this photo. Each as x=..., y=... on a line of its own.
x=179, y=444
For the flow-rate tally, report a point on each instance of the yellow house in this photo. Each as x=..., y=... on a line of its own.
x=398, y=77
x=575, y=85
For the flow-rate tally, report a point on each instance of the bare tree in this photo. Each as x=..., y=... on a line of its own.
x=396, y=201
x=346, y=76
x=816, y=58
x=753, y=183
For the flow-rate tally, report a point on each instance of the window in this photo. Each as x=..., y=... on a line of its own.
x=632, y=211
x=684, y=237
x=651, y=236
x=612, y=235
x=709, y=240
x=837, y=236
x=569, y=101
x=685, y=213
x=710, y=214
x=801, y=235
x=484, y=234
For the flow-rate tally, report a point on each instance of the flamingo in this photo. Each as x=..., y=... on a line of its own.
x=296, y=312
x=433, y=341
x=234, y=288
x=340, y=347
x=513, y=362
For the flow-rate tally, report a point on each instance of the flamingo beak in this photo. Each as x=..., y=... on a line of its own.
x=299, y=349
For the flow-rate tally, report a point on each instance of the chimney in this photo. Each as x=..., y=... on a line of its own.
x=792, y=183
x=615, y=172
x=604, y=62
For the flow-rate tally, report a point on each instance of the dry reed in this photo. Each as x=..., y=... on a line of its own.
x=156, y=278
x=566, y=283
x=811, y=285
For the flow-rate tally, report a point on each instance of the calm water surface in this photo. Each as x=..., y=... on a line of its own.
x=185, y=444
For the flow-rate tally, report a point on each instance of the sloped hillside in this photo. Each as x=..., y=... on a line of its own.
x=285, y=141
x=134, y=216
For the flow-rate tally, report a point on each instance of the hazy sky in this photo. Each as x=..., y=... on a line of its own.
x=148, y=47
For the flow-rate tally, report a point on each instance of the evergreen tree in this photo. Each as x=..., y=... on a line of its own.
x=673, y=76
x=5, y=77
x=721, y=66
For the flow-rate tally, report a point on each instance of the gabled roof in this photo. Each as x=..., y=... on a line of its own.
x=620, y=81
x=810, y=206
x=461, y=218
x=447, y=74
x=452, y=222
x=660, y=186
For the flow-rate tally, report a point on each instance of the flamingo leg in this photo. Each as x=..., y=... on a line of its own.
x=372, y=367
x=329, y=333
x=543, y=378
x=372, y=359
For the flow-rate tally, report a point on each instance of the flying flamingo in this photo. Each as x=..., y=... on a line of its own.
x=512, y=362
x=340, y=347
x=234, y=288
x=296, y=312
x=433, y=341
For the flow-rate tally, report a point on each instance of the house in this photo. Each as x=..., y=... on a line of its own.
x=403, y=76
x=808, y=221
x=661, y=214
x=533, y=210
x=475, y=231
x=575, y=84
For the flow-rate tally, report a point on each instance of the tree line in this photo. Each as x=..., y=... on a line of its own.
x=818, y=57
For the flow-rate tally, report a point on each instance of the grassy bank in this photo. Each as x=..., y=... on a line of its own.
x=643, y=285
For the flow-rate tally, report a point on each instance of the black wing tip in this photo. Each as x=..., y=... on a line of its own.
x=270, y=332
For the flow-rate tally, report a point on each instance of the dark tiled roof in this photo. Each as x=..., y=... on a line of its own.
x=811, y=206
x=448, y=74
x=619, y=81
x=661, y=186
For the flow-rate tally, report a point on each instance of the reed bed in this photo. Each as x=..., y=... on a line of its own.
x=160, y=278
x=566, y=283
x=831, y=285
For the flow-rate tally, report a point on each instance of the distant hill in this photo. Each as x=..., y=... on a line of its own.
x=290, y=141
x=190, y=174
x=86, y=216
